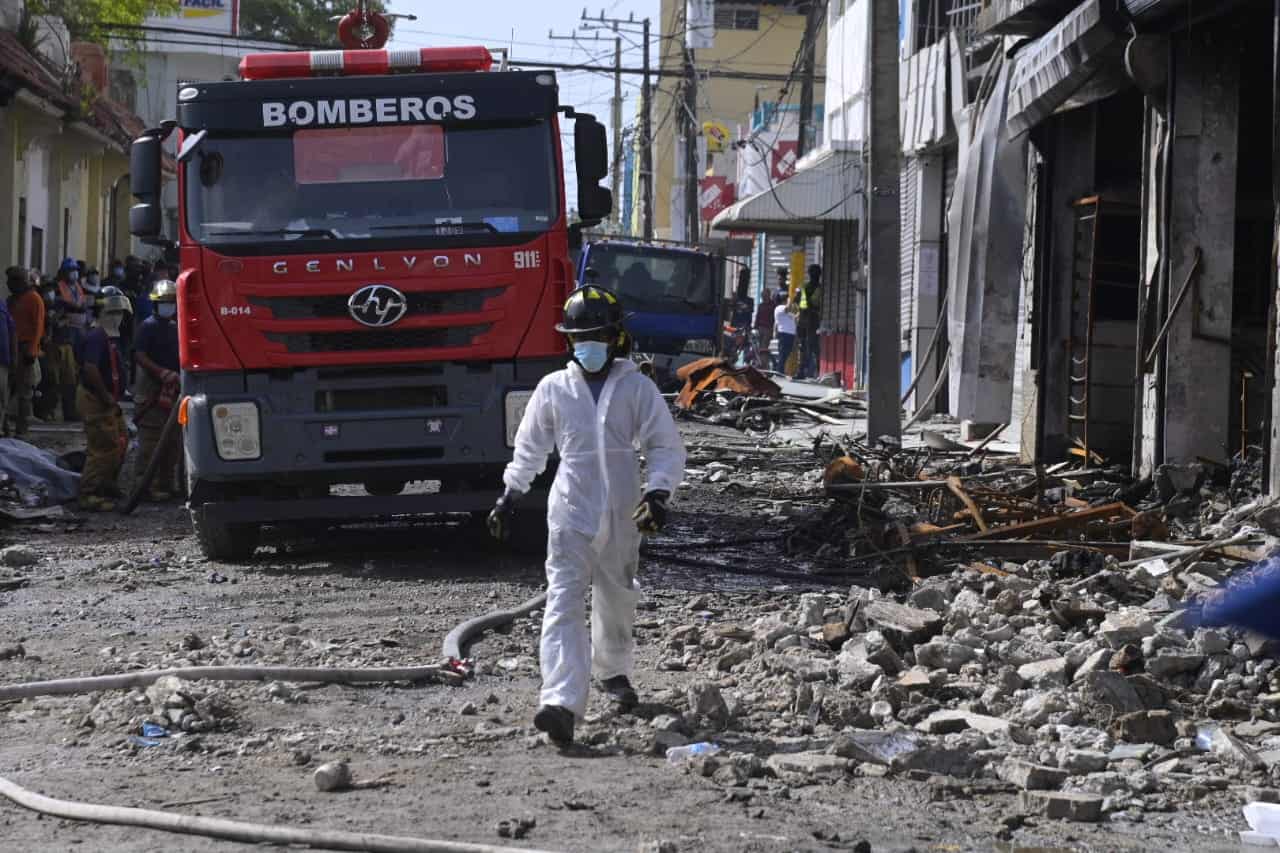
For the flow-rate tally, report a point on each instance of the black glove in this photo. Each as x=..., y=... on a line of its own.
x=501, y=514
x=651, y=515
x=28, y=360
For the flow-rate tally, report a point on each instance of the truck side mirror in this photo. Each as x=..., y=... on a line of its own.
x=146, y=217
x=595, y=203
x=591, y=152
x=590, y=148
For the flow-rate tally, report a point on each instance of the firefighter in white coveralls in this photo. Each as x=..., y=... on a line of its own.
x=596, y=413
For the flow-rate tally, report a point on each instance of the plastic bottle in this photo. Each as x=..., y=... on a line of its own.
x=680, y=754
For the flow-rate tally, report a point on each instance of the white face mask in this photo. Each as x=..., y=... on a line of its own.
x=110, y=323
x=166, y=310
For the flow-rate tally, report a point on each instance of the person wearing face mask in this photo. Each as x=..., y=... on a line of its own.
x=595, y=412
x=102, y=384
x=156, y=354
x=93, y=283
x=74, y=309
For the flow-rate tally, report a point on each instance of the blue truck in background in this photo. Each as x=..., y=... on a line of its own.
x=672, y=297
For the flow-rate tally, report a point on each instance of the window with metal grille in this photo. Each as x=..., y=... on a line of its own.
x=730, y=17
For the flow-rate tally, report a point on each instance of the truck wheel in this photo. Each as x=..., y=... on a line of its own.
x=225, y=542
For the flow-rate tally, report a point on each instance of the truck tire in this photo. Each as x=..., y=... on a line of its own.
x=228, y=543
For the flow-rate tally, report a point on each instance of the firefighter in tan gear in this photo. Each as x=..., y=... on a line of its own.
x=155, y=350
x=102, y=385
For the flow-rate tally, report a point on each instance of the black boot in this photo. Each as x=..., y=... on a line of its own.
x=557, y=722
x=621, y=692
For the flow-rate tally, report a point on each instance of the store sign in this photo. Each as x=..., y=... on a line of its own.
x=783, y=159
x=700, y=24
x=203, y=16
x=714, y=195
x=716, y=135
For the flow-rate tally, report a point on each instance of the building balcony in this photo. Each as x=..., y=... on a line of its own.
x=1022, y=17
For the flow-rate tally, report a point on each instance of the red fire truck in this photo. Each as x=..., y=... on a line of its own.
x=374, y=250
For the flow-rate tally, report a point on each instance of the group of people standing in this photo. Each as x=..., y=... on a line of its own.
x=793, y=319
x=84, y=345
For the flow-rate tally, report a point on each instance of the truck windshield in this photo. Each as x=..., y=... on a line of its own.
x=372, y=183
x=655, y=280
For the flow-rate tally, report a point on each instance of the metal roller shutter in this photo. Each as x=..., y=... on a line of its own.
x=907, y=184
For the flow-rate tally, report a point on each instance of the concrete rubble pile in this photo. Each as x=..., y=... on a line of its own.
x=1088, y=702
x=1081, y=682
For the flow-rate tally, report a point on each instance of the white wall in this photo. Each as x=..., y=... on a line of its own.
x=37, y=166
x=846, y=71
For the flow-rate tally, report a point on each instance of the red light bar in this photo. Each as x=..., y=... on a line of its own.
x=320, y=63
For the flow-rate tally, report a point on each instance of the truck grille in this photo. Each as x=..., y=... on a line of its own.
x=329, y=307
x=310, y=342
x=382, y=399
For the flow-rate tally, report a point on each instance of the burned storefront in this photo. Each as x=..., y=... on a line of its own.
x=1111, y=267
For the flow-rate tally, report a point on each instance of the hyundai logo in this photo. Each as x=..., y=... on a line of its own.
x=377, y=305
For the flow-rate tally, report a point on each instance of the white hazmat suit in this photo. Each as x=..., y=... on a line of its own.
x=592, y=538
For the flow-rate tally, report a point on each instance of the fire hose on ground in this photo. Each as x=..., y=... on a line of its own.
x=455, y=646
x=454, y=649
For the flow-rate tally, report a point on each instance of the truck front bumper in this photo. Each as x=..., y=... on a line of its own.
x=328, y=426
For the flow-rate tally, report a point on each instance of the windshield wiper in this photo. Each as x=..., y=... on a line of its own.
x=283, y=232
x=414, y=225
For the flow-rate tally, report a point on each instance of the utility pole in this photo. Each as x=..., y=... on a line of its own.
x=693, y=229
x=812, y=20
x=616, y=171
x=618, y=25
x=646, y=143
x=883, y=231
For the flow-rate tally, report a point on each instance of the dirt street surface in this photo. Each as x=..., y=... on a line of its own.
x=820, y=749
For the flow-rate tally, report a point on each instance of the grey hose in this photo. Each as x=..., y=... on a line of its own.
x=455, y=644
x=124, y=680
x=234, y=830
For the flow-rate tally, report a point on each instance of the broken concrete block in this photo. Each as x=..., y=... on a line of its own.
x=931, y=598
x=1045, y=673
x=705, y=701
x=902, y=623
x=835, y=634
x=1168, y=663
x=1096, y=662
x=732, y=658
x=810, y=764
x=1031, y=777
x=18, y=556
x=943, y=655
x=1055, y=805
x=854, y=669
x=879, y=652
x=1112, y=690
x=1126, y=626
x=948, y=722
x=813, y=606
x=1080, y=761
x=1147, y=727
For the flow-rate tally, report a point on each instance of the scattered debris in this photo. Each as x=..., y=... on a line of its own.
x=332, y=776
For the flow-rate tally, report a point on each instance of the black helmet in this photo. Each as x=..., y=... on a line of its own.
x=591, y=309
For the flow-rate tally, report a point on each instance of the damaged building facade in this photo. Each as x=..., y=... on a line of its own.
x=1109, y=283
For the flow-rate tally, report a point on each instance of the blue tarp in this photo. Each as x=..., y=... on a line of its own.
x=36, y=473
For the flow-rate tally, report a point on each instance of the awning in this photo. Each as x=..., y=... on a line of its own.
x=827, y=186
x=1083, y=48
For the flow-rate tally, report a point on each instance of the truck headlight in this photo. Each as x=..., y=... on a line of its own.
x=236, y=431
x=516, y=403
